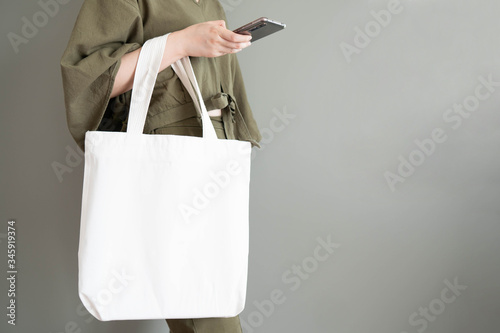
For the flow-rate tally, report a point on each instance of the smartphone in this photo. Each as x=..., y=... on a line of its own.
x=260, y=28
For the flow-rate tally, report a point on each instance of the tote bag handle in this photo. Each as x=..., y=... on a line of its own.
x=144, y=80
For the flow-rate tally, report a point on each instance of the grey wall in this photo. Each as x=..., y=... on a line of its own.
x=399, y=246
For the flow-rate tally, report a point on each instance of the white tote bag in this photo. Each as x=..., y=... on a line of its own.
x=164, y=221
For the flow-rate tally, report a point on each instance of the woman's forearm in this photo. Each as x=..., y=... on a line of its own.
x=206, y=39
x=124, y=79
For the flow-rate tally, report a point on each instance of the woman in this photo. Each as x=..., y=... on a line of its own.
x=98, y=68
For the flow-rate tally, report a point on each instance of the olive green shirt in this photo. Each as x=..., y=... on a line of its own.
x=105, y=30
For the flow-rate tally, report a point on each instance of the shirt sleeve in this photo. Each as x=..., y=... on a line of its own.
x=104, y=31
x=243, y=104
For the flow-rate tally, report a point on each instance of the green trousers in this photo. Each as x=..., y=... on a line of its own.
x=192, y=127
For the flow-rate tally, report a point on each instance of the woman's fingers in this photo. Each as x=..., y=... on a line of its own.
x=226, y=50
x=233, y=47
x=233, y=42
x=234, y=37
x=212, y=39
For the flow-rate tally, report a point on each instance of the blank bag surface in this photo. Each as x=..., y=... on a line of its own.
x=164, y=221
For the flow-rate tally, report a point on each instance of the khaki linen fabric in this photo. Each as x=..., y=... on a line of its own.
x=106, y=30
x=205, y=325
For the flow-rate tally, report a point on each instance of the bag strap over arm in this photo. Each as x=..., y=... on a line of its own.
x=145, y=76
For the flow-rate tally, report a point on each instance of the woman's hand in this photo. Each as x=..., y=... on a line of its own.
x=210, y=39
x=207, y=39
